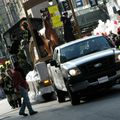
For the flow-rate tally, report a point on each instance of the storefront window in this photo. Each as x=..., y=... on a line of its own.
x=87, y=3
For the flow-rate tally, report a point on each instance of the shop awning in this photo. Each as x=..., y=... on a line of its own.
x=31, y=3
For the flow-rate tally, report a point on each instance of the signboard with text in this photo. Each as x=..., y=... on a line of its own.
x=55, y=16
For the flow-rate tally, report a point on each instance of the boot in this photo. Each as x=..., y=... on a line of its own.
x=16, y=104
x=12, y=104
x=19, y=102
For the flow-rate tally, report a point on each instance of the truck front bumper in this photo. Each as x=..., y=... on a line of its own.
x=46, y=90
x=99, y=83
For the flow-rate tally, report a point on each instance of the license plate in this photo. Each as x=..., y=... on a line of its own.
x=46, y=90
x=103, y=79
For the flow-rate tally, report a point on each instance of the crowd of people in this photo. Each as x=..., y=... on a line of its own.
x=110, y=29
x=16, y=89
x=115, y=38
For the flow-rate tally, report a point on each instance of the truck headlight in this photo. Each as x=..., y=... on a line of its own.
x=117, y=58
x=74, y=72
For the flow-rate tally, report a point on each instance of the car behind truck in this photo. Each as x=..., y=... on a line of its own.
x=83, y=65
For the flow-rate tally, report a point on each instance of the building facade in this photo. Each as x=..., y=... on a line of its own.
x=11, y=11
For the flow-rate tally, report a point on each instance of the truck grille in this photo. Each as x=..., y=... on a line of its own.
x=97, y=68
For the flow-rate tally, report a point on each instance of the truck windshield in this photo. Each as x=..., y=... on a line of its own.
x=83, y=48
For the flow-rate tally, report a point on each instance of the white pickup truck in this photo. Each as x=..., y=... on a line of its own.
x=84, y=65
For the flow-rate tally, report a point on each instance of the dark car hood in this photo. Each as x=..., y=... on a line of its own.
x=90, y=57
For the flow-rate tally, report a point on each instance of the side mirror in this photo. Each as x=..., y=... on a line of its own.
x=53, y=63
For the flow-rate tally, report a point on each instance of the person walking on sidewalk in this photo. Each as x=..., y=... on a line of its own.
x=22, y=87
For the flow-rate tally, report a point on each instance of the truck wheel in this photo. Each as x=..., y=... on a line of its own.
x=74, y=97
x=60, y=96
x=75, y=100
x=49, y=96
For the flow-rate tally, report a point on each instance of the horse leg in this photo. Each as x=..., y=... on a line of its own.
x=48, y=47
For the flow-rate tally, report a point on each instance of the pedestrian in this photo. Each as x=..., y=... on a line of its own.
x=8, y=87
x=22, y=87
x=68, y=30
x=17, y=98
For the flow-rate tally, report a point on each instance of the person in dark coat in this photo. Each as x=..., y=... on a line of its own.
x=68, y=30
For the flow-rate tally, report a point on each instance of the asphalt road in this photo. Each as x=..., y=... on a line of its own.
x=100, y=106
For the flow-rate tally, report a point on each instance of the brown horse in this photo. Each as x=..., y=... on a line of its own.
x=47, y=40
x=49, y=33
x=43, y=44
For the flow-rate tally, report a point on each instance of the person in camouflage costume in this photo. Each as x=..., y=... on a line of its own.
x=8, y=87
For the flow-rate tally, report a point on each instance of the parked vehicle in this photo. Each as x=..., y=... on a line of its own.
x=40, y=89
x=83, y=65
x=45, y=83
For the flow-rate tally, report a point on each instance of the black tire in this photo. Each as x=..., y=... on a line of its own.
x=49, y=96
x=75, y=99
x=60, y=95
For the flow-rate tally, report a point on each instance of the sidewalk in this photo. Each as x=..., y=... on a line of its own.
x=6, y=113
x=4, y=106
